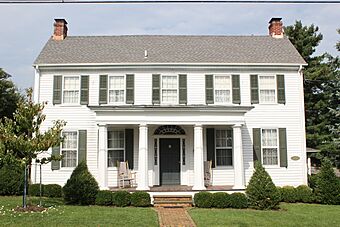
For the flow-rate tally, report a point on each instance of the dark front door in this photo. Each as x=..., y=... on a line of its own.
x=170, y=161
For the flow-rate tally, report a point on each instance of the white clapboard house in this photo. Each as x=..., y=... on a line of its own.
x=169, y=103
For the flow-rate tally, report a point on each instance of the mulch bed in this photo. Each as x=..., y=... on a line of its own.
x=29, y=209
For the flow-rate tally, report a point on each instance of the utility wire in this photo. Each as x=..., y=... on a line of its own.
x=169, y=2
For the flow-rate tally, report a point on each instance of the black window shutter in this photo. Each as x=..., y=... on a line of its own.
x=283, y=147
x=103, y=89
x=257, y=144
x=254, y=89
x=209, y=89
x=129, y=147
x=55, y=165
x=281, y=94
x=236, y=89
x=156, y=88
x=82, y=145
x=211, y=145
x=130, y=86
x=182, y=85
x=84, y=90
x=57, y=86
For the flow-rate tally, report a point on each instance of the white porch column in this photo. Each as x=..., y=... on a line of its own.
x=238, y=157
x=198, y=159
x=102, y=156
x=143, y=181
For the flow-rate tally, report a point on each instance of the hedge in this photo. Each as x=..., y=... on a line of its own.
x=238, y=200
x=121, y=198
x=203, y=199
x=140, y=199
x=104, y=198
x=220, y=200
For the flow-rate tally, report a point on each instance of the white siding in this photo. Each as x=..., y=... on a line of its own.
x=290, y=116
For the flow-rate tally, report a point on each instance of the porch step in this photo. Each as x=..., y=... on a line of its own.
x=172, y=201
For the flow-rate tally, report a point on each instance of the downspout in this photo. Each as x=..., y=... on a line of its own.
x=36, y=88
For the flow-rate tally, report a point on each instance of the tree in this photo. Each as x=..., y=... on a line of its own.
x=338, y=43
x=261, y=191
x=9, y=96
x=321, y=89
x=22, y=139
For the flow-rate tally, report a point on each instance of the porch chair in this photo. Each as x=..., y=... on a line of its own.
x=207, y=173
x=125, y=176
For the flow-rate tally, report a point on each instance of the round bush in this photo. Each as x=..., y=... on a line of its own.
x=304, y=194
x=34, y=190
x=288, y=194
x=121, y=198
x=220, y=200
x=104, y=198
x=11, y=179
x=261, y=191
x=238, y=200
x=203, y=199
x=53, y=190
x=140, y=199
x=81, y=188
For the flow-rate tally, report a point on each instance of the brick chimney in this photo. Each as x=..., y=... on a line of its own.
x=60, y=29
x=275, y=27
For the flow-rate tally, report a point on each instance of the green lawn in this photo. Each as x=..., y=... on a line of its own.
x=289, y=215
x=61, y=215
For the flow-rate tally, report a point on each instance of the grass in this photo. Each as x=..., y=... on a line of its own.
x=289, y=215
x=59, y=214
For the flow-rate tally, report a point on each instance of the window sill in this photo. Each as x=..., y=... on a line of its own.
x=223, y=168
x=112, y=168
x=66, y=169
x=69, y=105
x=272, y=167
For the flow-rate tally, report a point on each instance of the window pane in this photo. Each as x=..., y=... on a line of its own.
x=69, y=158
x=222, y=96
x=116, y=83
x=116, y=96
x=222, y=82
x=71, y=83
x=169, y=82
x=267, y=96
x=70, y=140
x=267, y=82
x=169, y=96
x=267, y=89
x=115, y=139
x=115, y=156
x=270, y=156
x=269, y=137
x=224, y=157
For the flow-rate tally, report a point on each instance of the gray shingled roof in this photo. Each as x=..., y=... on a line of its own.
x=169, y=49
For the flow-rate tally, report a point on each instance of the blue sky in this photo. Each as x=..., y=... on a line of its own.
x=26, y=28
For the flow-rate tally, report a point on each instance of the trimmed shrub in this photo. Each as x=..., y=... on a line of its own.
x=261, y=191
x=327, y=188
x=121, y=198
x=238, y=200
x=288, y=194
x=34, y=190
x=140, y=199
x=53, y=190
x=312, y=181
x=81, y=188
x=104, y=198
x=304, y=194
x=11, y=179
x=203, y=199
x=220, y=200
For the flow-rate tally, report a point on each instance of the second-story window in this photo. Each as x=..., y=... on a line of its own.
x=169, y=94
x=71, y=89
x=267, y=88
x=222, y=85
x=116, y=89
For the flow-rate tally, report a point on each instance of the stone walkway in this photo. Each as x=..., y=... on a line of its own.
x=174, y=217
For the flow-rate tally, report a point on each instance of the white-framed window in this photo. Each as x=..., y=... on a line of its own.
x=169, y=89
x=71, y=87
x=224, y=147
x=116, y=89
x=269, y=145
x=69, y=149
x=267, y=89
x=222, y=88
x=116, y=147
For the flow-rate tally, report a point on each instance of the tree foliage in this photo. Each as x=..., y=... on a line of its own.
x=22, y=138
x=321, y=89
x=9, y=96
x=261, y=191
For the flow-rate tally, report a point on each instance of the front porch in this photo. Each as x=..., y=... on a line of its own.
x=168, y=157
